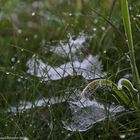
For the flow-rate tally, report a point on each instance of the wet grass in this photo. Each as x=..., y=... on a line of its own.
x=33, y=28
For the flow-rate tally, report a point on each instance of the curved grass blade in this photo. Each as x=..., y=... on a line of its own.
x=123, y=97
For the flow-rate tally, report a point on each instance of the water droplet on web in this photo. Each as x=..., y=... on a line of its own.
x=104, y=51
x=68, y=135
x=69, y=35
x=41, y=81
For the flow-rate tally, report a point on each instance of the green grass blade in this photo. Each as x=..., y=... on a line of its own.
x=128, y=31
x=127, y=24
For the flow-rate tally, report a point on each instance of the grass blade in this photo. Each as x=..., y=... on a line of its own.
x=128, y=31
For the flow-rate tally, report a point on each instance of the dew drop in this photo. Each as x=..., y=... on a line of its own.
x=138, y=15
x=7, y=73
x=35, y=36
x=13, y=59
x=21, y=77
x=103, y=28
x=26, y=39
x=134, y=18
x=26, y=78
x=12, y=67
x=70, y=14
x=19, y=80
x=96, y=21
x=122, y=136
x=130, y=8
x=41, y=81
x=30, y=125
x=94, y=29
x=12, y=119
x=33, y=13
x=18, y=61
x=19, y=31
x=25, y=138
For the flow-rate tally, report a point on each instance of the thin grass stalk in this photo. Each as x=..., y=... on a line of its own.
x=128, y=32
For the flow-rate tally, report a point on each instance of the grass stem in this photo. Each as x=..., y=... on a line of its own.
x=128, y=32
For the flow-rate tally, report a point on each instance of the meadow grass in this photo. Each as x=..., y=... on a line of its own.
x=28, y=27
